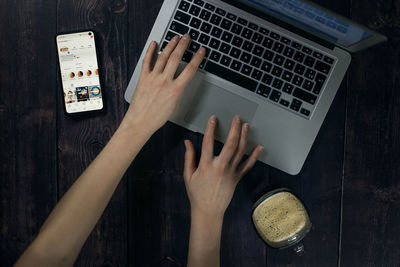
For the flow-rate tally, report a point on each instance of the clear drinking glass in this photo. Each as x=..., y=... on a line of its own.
x=281, y=220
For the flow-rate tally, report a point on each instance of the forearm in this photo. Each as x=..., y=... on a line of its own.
x=70, y=223
x=205, y=239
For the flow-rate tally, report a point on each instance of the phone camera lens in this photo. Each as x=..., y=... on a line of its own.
x=90, y=33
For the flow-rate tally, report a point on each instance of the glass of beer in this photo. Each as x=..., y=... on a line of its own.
x=281, y=220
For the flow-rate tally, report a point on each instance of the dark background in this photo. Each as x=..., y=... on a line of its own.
x=350, y=181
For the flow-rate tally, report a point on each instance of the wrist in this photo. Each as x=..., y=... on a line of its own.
x=137, y=126
x=207, y=218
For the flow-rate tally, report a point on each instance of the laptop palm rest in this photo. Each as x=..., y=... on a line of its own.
x=211, y=99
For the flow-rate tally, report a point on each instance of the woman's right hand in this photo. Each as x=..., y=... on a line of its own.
x=210, y=185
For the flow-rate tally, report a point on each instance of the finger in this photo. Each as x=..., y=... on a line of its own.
x=190, y=160
x=176, y=56
x=165, y=54
x=249, y=163
x=207, y=147
x=232, y=140
x=242, y=145
x=191, y=68
x=146, y=65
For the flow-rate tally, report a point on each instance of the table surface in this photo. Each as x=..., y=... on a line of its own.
x=350, y=181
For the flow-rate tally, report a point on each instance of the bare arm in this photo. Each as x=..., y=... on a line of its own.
x=74, y=217
x=210, y=187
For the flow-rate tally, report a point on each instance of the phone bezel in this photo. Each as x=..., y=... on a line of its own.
x=103, y=95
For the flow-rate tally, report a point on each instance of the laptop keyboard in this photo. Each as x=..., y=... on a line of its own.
x=274, y=66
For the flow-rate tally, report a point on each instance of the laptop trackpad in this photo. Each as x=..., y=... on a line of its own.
x=211, y=99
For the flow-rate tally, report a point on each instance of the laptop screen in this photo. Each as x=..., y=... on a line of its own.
x=312, y=19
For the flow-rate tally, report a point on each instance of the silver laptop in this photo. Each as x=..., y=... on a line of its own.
x=276, y=63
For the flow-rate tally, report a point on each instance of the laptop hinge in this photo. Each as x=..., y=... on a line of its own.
x=281, y=23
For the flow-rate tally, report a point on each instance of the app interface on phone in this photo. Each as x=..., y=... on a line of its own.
x=79, y=72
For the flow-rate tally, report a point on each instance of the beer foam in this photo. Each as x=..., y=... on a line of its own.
x=279, y=217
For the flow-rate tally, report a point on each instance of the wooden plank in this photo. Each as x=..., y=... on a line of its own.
x=371, y=197
x=81, y=140
x=319, y=184
x=28, y=170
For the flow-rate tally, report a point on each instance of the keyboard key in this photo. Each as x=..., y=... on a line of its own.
x=182, y=17
x=236, y=65
x=194, y=10
x=320, y=78
x=184, y=6
x=318, y=55
x=288, y=52
x=287, y=76
x=289, y=64
x=306, y=50
x=274, y=35
x=309, y=61
x=297, y=80
x=227, y=37
x=263, y=90
x=278, y=60
x=256, y=74
x=299, y=69
x=285, y=40
x=268, y=42
x=299, y=57
x=248, y=46
x=308, y=85
x=205, y=15
x=214, y=43
x=305, y=96
x=268, y=55
x=296, y=45
x=310, y=74
x=216, y=32
x=194, y=34
x=226, y=24
x=322, y=67
x=257, y=38
x=255, y=61
x=194, y=46
x=237, y=41
x=294, y=107
x=247, y=33
x=284, y=102
x=278, y=47
x=209, y=7
x=215, y=56
x=163, y=45
x=258, y=50
x=195, y=23
x=169, y=36
x=246, y=69
x=245, y=57
x=221, y=12
x=204, y=39
x=202, y=64
x=328, y=60
x=267, y=79
x=266, y=66
x=231, y=76
x=199, y=2
x=178, y=27
x=224, y=48
x=215, y=19
x=263, y=30
x=288, y=88
x=235, y=52
x=277, y=84
x=242, y=21
x=277, y=71
x=187, y=56
x=275, y=96
x=305, y=112
x=226, y=61
x=205, y=27
x=231, y=16
x=236, y=29
x=253, y=26
x=317, y=88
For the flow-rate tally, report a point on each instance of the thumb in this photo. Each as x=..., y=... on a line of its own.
x=190, y=160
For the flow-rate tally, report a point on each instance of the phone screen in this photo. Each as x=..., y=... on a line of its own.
x=79, y=72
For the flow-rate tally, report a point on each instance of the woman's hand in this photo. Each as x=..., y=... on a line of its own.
x=158, y=93
x=211, y=185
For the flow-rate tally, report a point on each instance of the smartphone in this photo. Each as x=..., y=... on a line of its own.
x=80, y=75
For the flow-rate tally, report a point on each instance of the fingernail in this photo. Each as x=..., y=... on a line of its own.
x=213, y=119
x=176, y=37
x=237, y=119
x=202, y=50
x=185, y=142
x=261, y=148
x=246, y=126
x=185, y=37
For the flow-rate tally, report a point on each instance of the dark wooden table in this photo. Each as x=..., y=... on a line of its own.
x=350, y=181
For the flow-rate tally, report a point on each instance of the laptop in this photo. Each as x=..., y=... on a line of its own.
x=276, y=63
